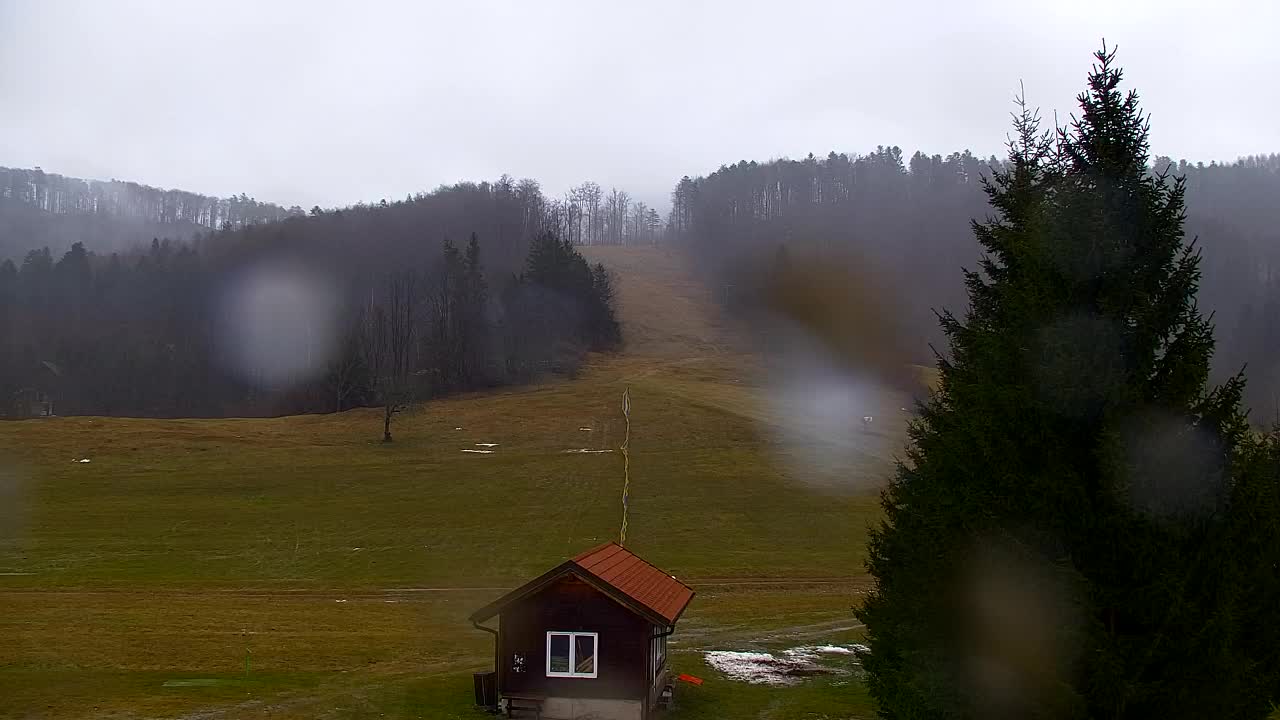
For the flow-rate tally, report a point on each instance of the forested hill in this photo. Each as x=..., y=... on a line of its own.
x=137, y=332
x=39, y=209
x=904, y=224
x=467, y=286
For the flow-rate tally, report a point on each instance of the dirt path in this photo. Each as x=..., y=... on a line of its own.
x=380, y=593
x=353, y=685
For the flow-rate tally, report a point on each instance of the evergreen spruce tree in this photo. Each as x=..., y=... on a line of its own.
x=476, y=317
x=583, y=295
x=606, y=333
x=451, y=320
x=1063, y=536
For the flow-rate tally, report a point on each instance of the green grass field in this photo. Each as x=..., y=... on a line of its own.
x=296, y=567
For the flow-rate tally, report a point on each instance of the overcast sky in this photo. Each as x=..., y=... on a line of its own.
x=317, y=103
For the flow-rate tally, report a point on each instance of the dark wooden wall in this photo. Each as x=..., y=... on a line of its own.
x=658, y=680
x=571, y=605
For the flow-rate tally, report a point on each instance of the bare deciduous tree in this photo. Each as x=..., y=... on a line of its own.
x=388, y=344
x=342, y=375
x=590, y=195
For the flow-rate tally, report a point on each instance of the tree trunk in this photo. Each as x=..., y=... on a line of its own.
x=386, y=424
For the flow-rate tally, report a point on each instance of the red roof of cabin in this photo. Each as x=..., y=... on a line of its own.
x=618, y=572
x=637, y=579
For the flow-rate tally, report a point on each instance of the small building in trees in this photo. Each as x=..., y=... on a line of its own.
x=32, y=403
x=588, y=638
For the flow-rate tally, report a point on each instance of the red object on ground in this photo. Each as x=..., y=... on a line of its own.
x=689, y=679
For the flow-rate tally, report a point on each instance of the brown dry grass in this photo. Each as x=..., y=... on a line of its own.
x=186, y=543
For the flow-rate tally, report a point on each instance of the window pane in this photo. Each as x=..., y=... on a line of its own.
x=559, y=654
x=585, y=654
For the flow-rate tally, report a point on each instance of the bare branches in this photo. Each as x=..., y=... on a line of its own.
x=388, y=343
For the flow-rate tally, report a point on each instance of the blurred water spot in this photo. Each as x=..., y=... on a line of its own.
x=1020, y=619
x=819, y=406
x=839, y=360
x=1078, y=363
x=1174, y=466
x=278, y=325
x=843, y=303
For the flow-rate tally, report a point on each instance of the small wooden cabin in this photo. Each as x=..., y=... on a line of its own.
x=587, y=639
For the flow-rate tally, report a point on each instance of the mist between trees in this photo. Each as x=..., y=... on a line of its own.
x=108, y=328
x=368, y=305
x=902, y=228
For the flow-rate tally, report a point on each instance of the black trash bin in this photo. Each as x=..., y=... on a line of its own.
x=486, y=689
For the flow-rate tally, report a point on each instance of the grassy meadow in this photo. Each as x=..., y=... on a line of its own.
x=298, y=568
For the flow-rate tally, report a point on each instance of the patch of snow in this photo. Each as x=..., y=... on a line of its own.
x=584, y=429
x=751, y=667
x=585, y=450
x=785, y=668
x=486, y=444
x=85, y=460
x=457, y=428
x=340, y=601
x=479, y=452
x=853, y=649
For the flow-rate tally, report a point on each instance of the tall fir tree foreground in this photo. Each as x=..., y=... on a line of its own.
x=1081, y=527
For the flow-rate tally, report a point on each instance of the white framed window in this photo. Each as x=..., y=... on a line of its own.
x=657, y=655
x=573, y=654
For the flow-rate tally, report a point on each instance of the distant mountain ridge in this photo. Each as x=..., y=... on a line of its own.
x=41, y=209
